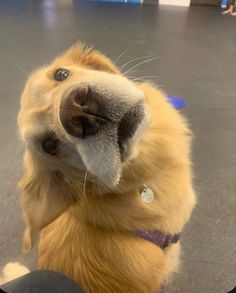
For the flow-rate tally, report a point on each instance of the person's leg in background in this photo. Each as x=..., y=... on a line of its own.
x=233, y=12
x=42, y=281
x=230, y=8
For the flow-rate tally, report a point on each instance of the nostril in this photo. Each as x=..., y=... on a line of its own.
x=89, y=126
x=81, y=95
x=85, y=125
x=76, y=121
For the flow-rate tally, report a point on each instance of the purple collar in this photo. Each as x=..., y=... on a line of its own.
x=158, y=238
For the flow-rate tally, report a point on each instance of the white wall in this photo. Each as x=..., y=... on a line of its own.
x=175, y=2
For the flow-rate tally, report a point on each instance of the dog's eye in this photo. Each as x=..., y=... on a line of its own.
x=50, y=146
x=61, y=74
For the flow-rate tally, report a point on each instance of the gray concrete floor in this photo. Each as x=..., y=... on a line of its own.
x=198, y=49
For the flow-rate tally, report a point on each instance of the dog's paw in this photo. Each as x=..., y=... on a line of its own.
x=11, y=271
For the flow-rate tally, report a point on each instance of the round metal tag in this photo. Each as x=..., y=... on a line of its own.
x=147, y=194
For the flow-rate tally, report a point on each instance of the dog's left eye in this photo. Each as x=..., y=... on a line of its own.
x=61, y=74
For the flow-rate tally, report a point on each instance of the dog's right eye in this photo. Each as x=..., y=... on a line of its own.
x=50, y=146
x=61, y=74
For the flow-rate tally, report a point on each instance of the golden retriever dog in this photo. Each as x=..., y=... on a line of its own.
x=107, y=186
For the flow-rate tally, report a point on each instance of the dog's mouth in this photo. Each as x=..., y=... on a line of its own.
x=102, y=123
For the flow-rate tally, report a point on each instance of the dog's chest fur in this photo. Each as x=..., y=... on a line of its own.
x=112, y=258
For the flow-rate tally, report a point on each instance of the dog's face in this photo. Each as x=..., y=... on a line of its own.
x=81, y=120
x=80, y=111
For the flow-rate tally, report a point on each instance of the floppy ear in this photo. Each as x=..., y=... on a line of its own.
x=45, y=195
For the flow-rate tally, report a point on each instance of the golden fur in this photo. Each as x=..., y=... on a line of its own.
x=86, y=227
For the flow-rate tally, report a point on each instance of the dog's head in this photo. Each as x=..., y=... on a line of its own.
x=80, y=117
x=82, y=112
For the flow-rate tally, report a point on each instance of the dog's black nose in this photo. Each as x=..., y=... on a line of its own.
x=79, y=112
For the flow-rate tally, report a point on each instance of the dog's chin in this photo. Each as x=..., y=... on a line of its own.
x=103, y=158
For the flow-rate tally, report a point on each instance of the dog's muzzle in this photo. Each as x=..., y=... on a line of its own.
x=103, y=120
x=86, y=111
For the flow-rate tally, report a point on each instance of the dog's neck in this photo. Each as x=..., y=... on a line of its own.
x=115, y=212
x=130, y=206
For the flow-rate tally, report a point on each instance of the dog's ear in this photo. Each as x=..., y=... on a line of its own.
x=45, y=196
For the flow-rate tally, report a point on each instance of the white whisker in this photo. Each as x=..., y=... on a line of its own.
x=84, y=185
x=132, y=60
x=21, y=69
x=145, y=77
x=133, y=71
x=143, y=62
x=122, y=54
